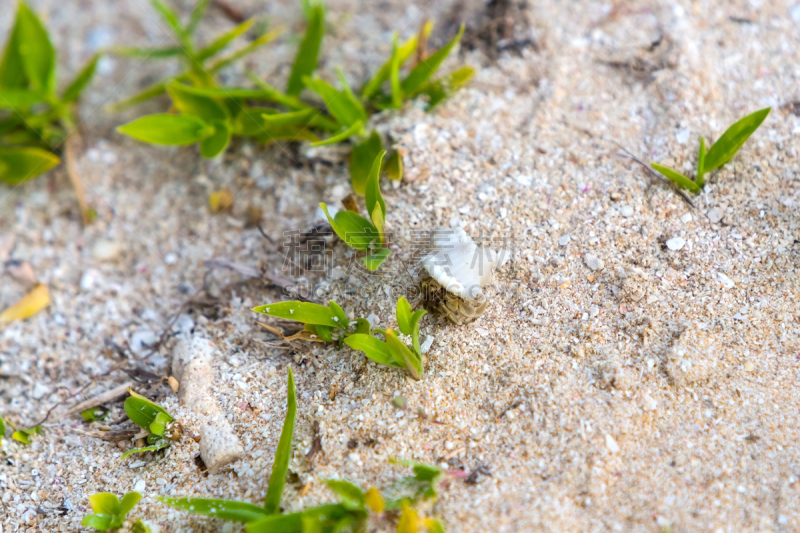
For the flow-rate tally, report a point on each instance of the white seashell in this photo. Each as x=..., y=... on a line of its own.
x=459, y=265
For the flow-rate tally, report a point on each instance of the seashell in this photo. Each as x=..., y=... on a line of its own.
x=458, y=270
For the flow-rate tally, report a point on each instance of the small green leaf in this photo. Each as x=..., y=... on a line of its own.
x=362, y=158
x=102, y=522
x=174, y=22
x=148, y=53
x=676, y=177
x=272, y=503
x=191, y=101
x=307, y=521
x=12, y=71
x=224, y=40
x=434, y=526
x=3, y=424
x=701, y=161
x=356, y=231
x=94, y=414
x=394, y=166
x=441, y=89
x=305, y=312
x=23, y=163
x=179, y=130
x=362, y=326
x=732, y=140
x=416, y=79
x=245, y=50
x=128, y=502
x=350, y=496
x=18, y=99
x=355, y=129
x=250, y=122
x=199, y=10
x=403, y=355
x=404, y=316
x=216, y=144
x=384, y=73
x=373, y=348
x=278, y=523
x=159, y=424
x=324, y=332
x=305, y=62
x=160, y=446
x=24, y=435
x=339, y=313
x=295, y=118
x=74, y=90
x=342, y=105
x=142, y=411
x=35, y=50
x=414, y=322
x=394, y=76
x=224, y=509
x=376, y=207
x=374, y=260
x=105, y=503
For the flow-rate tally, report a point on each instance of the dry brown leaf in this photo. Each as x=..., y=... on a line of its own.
x=37, y=299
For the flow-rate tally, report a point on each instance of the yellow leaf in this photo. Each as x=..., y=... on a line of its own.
x=374, y=500
x=220, y=201
x=37, y=299
x=409, y=521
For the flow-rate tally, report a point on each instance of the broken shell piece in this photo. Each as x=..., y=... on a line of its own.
x=458, y=270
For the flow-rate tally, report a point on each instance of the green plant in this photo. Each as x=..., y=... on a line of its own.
x=352, y=511
x=248, y=512
x=718, y=154
x=150, y=416
x=35, y=121
x=331, y=324
x=360, y=233
x=110, y=512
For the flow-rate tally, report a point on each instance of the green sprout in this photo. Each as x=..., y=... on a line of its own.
x=331, y=325
x=36, y=122
x=354, y=507
x=110, y=512
x=718, y=154
x=150, y=416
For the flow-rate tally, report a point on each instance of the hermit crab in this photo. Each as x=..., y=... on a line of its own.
x=457, y=271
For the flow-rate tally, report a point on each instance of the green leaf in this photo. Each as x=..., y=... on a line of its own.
x=701, y=161
x=305, y=62
x=102, y=522
x=394, y=76
x=197, y=14
x=295, y=118
x=153, y=448
x=434, y=526
x=404, y=316
x=441, y=89
x=351, y=497
x=128, y=502
x=174, y=22
x=373, y=348
x=362, y=326
x=224, y=40
x=732, y=140
x=224, y=509
x=3, y=424
x=676, y=177
x=305, y=312
x=416, y=79
x=191, y=101
x=159, y=424
x=142, y=411
x=178, y=130
x=24, y=435
x=105, y=503
x=273, y=94
x=94, y=414
x=216, y=144
x=76, y=87
x=35, y=50
x=12, y=71
x=356, y=231
x=324, y=332
x=244, y=51
x=272, y=503
x=298, y=522
x=394, y=166
x=374, y=260
x=403, y=355
x=251, y=122
x=18, y=99
x=342, y=105
x=339, y=313
x=361, y=159
x=376, y=207
x=414, y=323
x=384, y=73
x=148, y=53
x=23, y=163
x=140, y=527
x=355, y=129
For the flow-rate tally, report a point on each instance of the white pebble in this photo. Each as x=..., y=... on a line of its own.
x=725, y=280
x=686, y=218
x=676, y=243
x=682, y=136
x=88, y=279
x=563, y=240
x=715, y=215
x=104, y=250
x=611, y=444
x=626, y=211
x=426, y=344
x=593, y=262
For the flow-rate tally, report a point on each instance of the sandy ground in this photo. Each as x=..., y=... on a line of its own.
x=655, y=390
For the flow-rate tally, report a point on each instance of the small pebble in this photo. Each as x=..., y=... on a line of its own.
x=686, y=218
x=749, y=366
x=676, y=243
x=88, y=279
x=611, y=444
x=563, y=240
x=725, y=281
x=593, y=262
x=104, y=250
x=715, y=215
x=682, y=136
x=21, y=271
x=626, y=211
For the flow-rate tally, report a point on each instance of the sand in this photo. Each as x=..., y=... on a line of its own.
x=618, y=382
